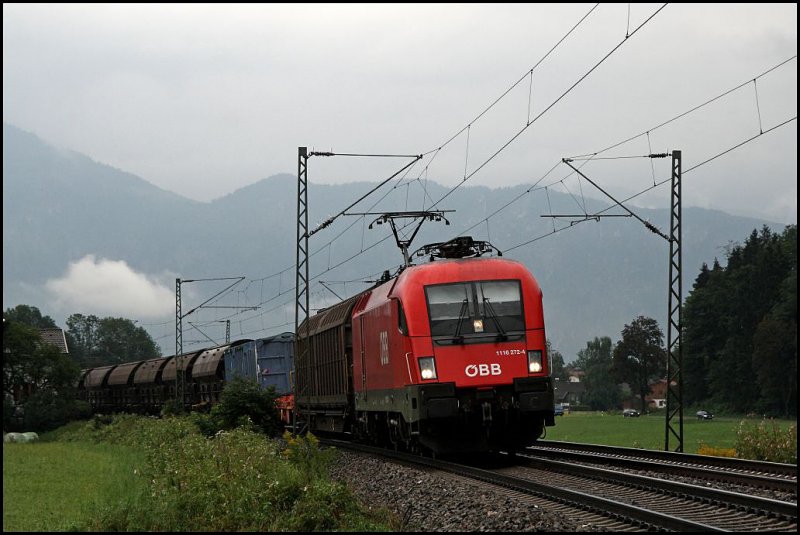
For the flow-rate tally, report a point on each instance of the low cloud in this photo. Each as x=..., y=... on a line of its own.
x=110, y=288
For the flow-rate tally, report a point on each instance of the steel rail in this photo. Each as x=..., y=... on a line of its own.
x=609, y=508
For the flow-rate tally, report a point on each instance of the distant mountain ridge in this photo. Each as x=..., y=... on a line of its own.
x=59, y=206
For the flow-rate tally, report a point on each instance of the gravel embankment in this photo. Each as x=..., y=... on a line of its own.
x=433, y=501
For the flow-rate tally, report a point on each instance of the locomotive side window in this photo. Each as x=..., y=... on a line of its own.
x=470, y=312
x=402, y=325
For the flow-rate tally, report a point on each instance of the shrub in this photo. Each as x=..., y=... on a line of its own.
x=46, y=409
x=765, y=442
x=236, y=481
x=325, y=506
x=171, y=408
x=242, y=404
x=305, y=454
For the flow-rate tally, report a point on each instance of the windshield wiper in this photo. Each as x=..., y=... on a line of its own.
x=462, y=314
x=487, y=306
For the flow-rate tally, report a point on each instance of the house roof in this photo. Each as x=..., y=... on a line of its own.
x=564, y=388
x=55, y=337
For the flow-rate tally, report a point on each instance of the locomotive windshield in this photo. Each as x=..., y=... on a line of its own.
x=469, y=312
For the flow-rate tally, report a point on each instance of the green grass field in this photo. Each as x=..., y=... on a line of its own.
x=62, y=485
x=144, y=474
x=58, y=486
x=646, y=432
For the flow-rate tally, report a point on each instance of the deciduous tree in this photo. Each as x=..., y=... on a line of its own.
x=602, y=391
x=640, y=357
x=100, y=342
x=29, y=315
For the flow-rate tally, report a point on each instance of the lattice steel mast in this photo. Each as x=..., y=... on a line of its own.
x=674, y=347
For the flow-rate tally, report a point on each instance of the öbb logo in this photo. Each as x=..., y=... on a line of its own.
x=473, y=370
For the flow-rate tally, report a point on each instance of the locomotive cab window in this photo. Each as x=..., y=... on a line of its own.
x=475, y=312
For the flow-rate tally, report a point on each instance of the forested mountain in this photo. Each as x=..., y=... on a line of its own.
x=59, y=206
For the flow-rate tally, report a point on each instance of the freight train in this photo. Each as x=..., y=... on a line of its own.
x=146, y=386
x=446, y=356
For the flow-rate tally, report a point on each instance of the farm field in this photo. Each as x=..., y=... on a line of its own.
x=647, y=431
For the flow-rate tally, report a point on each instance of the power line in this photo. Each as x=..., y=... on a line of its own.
x=237, y=279
x=302, y=166
x=740, y=144
x=419, y=180
x=565, y=93
x=680, y=115
x=481, y=114
x=575, y=84
x=330, y=220
x=515, y=84
x=647, y=224
x=532, y=188
x=659, y=183
x=322, y=248
x=590, y=156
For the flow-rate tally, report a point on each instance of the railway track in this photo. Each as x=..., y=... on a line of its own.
x=744, y=474
x=610, y=499
x=715, y=508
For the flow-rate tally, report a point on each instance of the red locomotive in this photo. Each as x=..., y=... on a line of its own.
x=447, y=356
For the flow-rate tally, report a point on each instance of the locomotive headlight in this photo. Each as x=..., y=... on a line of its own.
x=535, y=361
x=427, y=368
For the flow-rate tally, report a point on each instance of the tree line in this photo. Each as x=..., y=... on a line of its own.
x=739, y=337
x=740, y=328
x=93, y=341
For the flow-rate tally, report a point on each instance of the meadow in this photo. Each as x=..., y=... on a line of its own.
x=648, y=431
x=141, y=474
x=61, y=486
x=145, y=474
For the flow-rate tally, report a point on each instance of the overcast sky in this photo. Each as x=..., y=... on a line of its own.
x=205, y=99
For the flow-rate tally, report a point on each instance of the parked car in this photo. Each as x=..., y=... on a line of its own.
x=704, y=415
x=559, y=409
x=630, y=413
